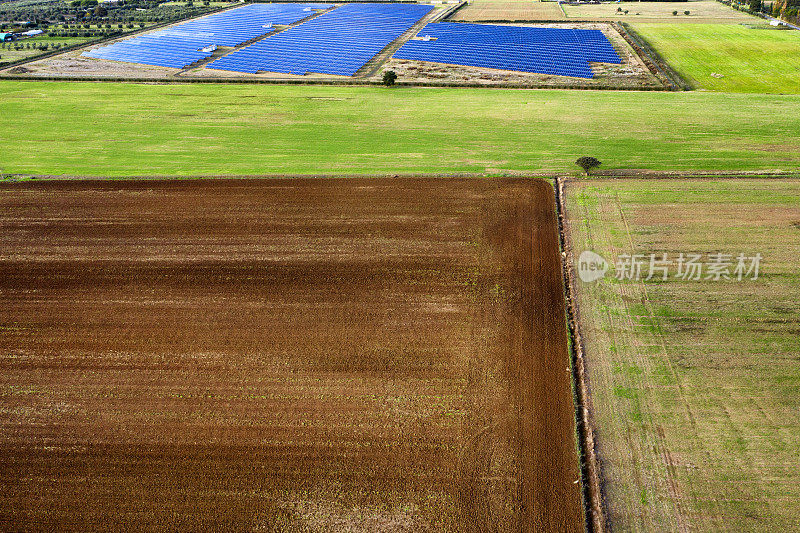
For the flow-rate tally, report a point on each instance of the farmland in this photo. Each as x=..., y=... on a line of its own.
x=702, y=11
x=93, y=129
x=10, y=52
x=288, y=302
x=287, y=355
x=509, y=10
x=694, y=383
x=730, y=58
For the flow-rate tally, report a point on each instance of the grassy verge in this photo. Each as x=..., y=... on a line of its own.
x=694, y=383
x=730, y=58
x=135, y=129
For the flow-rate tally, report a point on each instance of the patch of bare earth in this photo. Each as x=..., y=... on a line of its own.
x=284, y=355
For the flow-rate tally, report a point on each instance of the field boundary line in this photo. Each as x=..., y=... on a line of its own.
x=595, y=510
x=333, y=82
x=448, y=14
x=631, y=174
x=652, y=59
x=565, y=178
x=12, y=176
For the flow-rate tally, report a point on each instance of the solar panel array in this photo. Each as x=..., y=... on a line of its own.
x=556, y=51
x=182, y=44
x=338, y=42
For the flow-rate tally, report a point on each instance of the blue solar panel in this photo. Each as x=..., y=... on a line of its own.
x=182, y=44
x=338, y=42
x=555, y=51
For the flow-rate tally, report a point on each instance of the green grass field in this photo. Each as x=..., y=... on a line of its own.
x=751, y=60
x=103, y=129
x=695, y=384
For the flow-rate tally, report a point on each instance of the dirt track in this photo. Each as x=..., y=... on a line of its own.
x=287, y=355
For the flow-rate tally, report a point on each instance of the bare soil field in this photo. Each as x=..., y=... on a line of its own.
x=284, y=355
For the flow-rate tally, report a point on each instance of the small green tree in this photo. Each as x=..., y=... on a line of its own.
x=389, y=77
x=675, y=13
x=686, y=13
x=588, y=163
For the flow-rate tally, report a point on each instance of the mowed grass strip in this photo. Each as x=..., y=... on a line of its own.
x=694, y=383
x=106, y=129
x=749, y=60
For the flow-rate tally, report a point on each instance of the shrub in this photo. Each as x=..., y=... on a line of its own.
x=389, y=78
x=675, y=13
x=686, y=13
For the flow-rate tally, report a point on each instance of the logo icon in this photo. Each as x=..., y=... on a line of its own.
x=591, y=267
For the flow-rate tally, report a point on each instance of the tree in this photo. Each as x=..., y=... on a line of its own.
x=686, y=13
x=755, y=6
x=389, y=78
x=675, y=13
x=587, y=163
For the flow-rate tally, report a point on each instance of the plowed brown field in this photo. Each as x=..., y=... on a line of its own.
x=284, y=355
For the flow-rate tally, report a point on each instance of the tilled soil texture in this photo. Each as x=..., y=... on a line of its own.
x=284, y=355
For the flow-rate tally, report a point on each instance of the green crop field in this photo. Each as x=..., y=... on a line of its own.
x=103, y=129
x=750, y=60
x=695, y=384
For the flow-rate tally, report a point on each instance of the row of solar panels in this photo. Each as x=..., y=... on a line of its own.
x=342, y=40
x=593, y=42
x=338, y=42
x=183, y=44
x=554, y=51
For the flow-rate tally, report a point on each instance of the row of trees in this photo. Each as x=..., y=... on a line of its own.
x=751, y=6
x=788, y=10
x=30, y=46
x=43, y=15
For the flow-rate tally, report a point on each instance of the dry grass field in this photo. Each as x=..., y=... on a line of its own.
x=695, y=384
x=700, y=11
x=479, y=10
x=284, y=355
